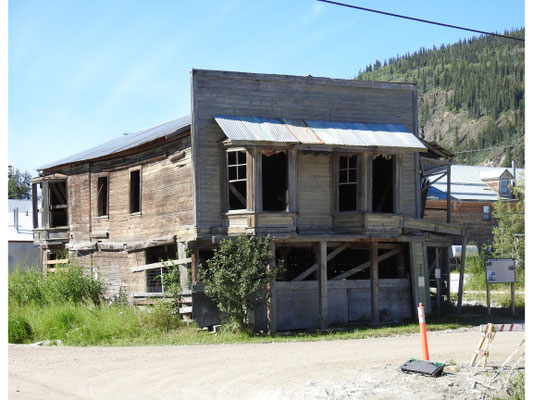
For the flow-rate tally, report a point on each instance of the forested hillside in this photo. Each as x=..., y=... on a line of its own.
x=470, y=96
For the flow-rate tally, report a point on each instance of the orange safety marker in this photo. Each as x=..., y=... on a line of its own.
x=423, y=334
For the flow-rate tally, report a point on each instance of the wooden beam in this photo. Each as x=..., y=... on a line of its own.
x=314, y=267
x=58, y=261
x=239, y=196
x=374, y=282
x=271, y=302
x=161, y=264
x=462, y=274
x=323, y=285
x=438, y=277
x=448, y=195
x=365, y=265
x=35, y=208
x=45, y=203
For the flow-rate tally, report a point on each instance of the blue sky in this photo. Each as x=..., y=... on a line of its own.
x=83, y=72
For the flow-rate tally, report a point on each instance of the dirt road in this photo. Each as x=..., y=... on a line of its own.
x=349, y=369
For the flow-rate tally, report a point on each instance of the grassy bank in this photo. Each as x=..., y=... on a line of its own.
x=68, y=306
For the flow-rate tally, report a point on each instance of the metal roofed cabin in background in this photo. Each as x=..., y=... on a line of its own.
x=351, y=134
x=128, y=141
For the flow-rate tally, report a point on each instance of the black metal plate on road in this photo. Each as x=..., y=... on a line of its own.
x=423, y=367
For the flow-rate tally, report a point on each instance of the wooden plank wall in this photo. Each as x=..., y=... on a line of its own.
x=468, y=214
x=314, y=171
x=279, y=96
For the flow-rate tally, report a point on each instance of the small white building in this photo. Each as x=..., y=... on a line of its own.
x=22, y=252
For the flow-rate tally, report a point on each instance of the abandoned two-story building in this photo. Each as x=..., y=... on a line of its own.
x=330, y=168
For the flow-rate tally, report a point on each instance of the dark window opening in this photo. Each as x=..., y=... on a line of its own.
x=348, y=260
x=391, y=268
x=236, y=161
x=102, y=196
x=275, y=182
x=57, y=197
x=347, y=183
x=135, y=191
x=154, y=281
x=297, y=260
x=383, y=184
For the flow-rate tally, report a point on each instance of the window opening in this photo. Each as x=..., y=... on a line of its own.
x=57, y=197
x=154, y=282
x=347, y=183
x=298, y=259
x=504, y=187
x=102, y=196
x=275, y=182
x=135, y=191
x=236, y=161
x=383, y=184
x=347, y=260
x=486, y=213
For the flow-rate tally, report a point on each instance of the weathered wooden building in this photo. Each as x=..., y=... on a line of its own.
x=473, y=190
x=328, y=167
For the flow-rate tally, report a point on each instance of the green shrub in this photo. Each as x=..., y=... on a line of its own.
x=19, y=330
x=237, y=276
x=162, y=316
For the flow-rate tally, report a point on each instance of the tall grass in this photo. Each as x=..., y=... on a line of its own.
x=68, y=305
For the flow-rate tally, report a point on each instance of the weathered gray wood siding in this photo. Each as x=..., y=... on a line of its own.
x=166, y=197
x=408, y=190
x=314, y=193
x=279, y=96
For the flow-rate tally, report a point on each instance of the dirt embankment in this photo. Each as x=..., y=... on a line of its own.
x=348, y=369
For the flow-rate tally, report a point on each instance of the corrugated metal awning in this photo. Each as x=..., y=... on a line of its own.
x=290, y=131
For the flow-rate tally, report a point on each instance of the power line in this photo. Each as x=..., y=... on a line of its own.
x=489, y=148
x=421, y=20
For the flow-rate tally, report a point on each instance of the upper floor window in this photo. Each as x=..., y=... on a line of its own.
x=57, y=197
x=135, y=191
x=504, y=187
x=383, y=184
x=275, y=180
x=236, y=162
x=347, y=192
x=102, y=196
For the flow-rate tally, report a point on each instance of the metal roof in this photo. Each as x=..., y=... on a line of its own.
x=354, y=134
x=128, y=141
x=467, y=183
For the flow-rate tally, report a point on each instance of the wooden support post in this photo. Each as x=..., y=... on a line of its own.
x=462, y=273
x=323, y=285
x=195, y=263
x=438, y=277
x=271, y=302
x=45, y=205
x=489, y=311
x=448, y=190
x=374, y=277
x=35, y=208
x=513, y=307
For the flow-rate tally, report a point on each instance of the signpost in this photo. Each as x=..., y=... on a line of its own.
x=500, y=270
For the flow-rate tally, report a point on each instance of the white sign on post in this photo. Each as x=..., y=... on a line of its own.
x=500, y=270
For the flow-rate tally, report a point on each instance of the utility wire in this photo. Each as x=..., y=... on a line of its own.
x=488, y=148
x=421, y=20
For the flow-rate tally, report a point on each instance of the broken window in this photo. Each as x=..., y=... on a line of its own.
x=135, y=191
x=57, y=197
x=102, y=196
x=347, y=194
x=383, y=184
x=275, y=181
x=154, y=281
x=236, y=161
